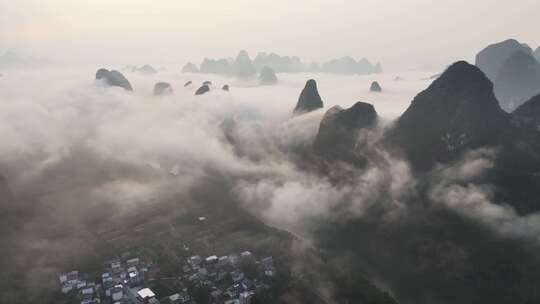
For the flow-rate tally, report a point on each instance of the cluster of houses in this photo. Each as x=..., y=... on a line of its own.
x=120, y=283
x=222, y=278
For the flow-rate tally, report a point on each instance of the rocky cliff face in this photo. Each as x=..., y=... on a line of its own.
x=309, y=99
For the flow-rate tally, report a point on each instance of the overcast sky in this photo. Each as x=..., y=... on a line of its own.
x=399, y=33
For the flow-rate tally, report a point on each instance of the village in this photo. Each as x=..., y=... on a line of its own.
x=236, y=278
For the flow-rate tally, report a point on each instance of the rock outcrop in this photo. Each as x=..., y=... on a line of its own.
x=163, y=88
x=188, y=83
x=267, y=76
x=225, y=87
x=309, y=99
x=202, y=90
x=337, y=138
x=375, y=87
x=113, y=78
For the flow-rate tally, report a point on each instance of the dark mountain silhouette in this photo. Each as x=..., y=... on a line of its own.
x=339, y=129
x=458, y=111
x=537, y=54
x=375, y=87
x=190, y=68
x=267, y=76
x=309, y=99
x=517, y=80
x=243, y=66
x=113, y=78
x=163, y=88
x=491, y=59
x=202, y=90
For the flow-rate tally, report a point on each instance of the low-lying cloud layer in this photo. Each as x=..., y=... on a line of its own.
x=72, y=143
x=455, y=189
x=80, y=154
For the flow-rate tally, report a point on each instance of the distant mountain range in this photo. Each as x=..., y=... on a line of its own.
x=514, y=69
x=281, y=64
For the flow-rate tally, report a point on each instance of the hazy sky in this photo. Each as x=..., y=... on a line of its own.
x=400, y=33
